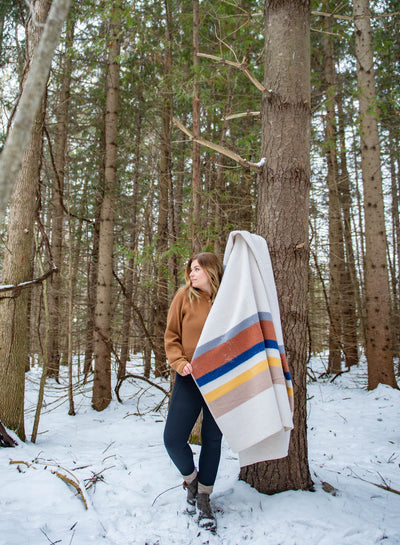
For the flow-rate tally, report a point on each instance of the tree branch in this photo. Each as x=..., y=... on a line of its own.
x=243, y=114
x=240, y=66
x=216, y=147
x=16, y=288
x=138, y=377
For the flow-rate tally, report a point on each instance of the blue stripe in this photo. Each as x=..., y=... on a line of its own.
x=269, y=343
x=237, y=360
x=287, y=375
x=232, y=364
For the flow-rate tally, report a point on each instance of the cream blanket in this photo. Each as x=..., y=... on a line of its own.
x=239, y=363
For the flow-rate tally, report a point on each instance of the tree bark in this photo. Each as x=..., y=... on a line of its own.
x=282, y=215
x=55, y=284
x=350, y=292
x=164, y=185
x=395, y=186
x=196, y=243
x=336, y=253
x=33, y=90
x=17, y=266
x=129, y=274
x=379, y=351
x=103, y=311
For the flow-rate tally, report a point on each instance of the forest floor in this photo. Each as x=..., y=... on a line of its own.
x=105, y=478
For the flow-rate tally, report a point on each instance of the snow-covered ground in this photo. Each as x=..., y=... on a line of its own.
x=136, y=496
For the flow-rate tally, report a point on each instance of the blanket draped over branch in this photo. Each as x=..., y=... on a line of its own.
x=239, y=363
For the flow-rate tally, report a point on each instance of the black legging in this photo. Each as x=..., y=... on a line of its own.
x=186, y=404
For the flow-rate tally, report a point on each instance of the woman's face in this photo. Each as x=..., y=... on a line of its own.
x=198, y=277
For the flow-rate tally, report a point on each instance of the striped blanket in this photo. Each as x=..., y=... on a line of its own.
x=239, y=363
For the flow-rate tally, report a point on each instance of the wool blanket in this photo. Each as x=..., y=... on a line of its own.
x=239, y=363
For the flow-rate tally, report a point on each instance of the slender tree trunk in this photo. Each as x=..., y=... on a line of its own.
x=378, y=305
x=219, y=186
x=55, y=284
x=70, y=347
x=92, y=269
x=358, y=227
x=350, y=290
x=283, y=200
x=39, y=404
x=196, y=243
x=103, y=313
x=17, y=266
x=336, y=254
x=395, y=244
x=162, y=227
x=129, y=274
x=147, y=296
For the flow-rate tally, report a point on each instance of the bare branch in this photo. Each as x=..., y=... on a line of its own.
x=243, y=114
x=137, y=377
x=16, y=288
x=351, y=18
x=224, y=151
x=240, y=66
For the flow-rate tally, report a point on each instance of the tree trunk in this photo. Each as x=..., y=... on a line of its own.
x=336, y=253
x=129, y=275
x=350, y=290
x=17, y=266
x=43, y=39
x=282, y=216
x=196, y=243
x=103, y=312
x=379, y=351
x=395, y=265
x=55, y=284
x=164, y=185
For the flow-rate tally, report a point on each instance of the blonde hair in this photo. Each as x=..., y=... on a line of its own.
x=212, y=266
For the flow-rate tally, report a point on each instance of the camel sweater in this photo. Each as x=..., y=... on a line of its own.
x=184, y=326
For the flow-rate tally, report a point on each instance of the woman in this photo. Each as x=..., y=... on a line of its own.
x=187, y=315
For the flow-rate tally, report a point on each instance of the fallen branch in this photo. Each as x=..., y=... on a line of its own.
x=383, y=486
x=138, y=377
x=69, y=479
x=73, y=483
x=164, y=491
x=216, y=147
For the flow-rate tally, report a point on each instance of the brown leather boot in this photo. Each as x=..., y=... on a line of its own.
x=191, y=495
x=206, y=518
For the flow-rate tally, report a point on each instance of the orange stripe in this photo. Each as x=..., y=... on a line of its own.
x=226, y=351
x=231, y=348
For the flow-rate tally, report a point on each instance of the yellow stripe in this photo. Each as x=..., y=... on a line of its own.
x=290, y=391
x=235, y=382
x=274, y=362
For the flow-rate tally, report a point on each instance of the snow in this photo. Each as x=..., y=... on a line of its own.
x=137, y=498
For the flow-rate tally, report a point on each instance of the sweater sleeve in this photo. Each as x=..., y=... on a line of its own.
x=173, y=334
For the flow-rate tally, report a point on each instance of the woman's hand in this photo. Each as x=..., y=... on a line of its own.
x=187, y=370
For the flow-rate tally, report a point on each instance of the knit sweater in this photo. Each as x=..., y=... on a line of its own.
x=184, y=325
